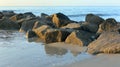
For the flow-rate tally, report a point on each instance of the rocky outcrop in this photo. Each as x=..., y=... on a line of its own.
x=81, y=38
x=60, y=19
x=6, y=24
x=108, y=42
x=109, y=24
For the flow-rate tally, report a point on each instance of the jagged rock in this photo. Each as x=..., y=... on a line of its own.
x=108, y=42
x=109, y=24
x=7, y=24
x=60, y=19
x=81, y=38
x=94, y=19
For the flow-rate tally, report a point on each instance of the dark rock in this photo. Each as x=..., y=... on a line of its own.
x=29, y=14
x=1, y=15
x=43, y=15
x=81, y=38
x=8, y=13
x=108, y=42
x=30, y=34
x=109, y=24
x=28, y=24
x=7, y=24
x=60, y=19
x=94, y=19
x=93, y=28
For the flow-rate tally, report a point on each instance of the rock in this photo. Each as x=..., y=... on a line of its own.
x=30, y=34
x=49, y=35
x=94, y=19
x=109, y=24
x=72, y=25
x=43, y=15
x=108, y=42
x=53, y=35
x=40, y=31
x=28, y=24
x=1, y=15
x=8, y=13
x=81, y=38
x=93, y=28
x=29, y=14
x=7, y=24
x=60, y=19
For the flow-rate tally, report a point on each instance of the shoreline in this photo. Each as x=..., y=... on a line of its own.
x=101, y=60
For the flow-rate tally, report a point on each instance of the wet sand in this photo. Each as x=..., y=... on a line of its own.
x=101, y=60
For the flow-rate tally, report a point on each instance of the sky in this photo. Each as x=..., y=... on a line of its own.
x=59, y=2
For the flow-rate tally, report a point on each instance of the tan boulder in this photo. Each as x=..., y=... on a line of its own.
x=108, y=42
x=81, y=38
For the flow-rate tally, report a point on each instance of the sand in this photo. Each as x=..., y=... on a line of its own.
x=101, y=60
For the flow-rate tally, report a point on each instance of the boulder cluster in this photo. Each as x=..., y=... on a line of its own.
x=100, y=35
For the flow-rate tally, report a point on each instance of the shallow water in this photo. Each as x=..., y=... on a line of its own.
x=16, y=51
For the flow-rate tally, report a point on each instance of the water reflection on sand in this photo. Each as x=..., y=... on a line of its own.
x=16, y=51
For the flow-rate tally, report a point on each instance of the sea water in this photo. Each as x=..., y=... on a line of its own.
x=76, y=13
x=17, y=51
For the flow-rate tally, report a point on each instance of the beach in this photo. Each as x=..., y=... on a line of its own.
x=101, y=60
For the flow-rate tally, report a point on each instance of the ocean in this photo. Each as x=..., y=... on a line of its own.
x=76, y=13
x=17, y=51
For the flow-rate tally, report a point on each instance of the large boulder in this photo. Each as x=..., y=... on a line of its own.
x=28, y=24
x=80, y=37
x=40, y=31
x=109, y=24
x=7, y=24
x=53, y=35
x=50, y=35
x=108, y=42
x=60, y=19
x=94, y=19
x=29, y=14
x=93, y=28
